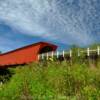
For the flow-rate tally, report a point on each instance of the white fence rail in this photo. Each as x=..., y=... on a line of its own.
x=63, y=53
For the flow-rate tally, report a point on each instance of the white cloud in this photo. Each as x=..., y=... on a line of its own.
x=50, y=19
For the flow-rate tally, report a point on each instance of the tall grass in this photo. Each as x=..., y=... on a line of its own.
x=53, y=81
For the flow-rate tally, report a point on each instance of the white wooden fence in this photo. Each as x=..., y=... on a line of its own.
x=63, y=53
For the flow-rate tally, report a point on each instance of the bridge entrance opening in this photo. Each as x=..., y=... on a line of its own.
x=45, y=49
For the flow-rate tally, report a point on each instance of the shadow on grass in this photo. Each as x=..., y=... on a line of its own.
x=5, y=75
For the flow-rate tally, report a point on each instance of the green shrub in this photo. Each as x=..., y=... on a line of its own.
x=52, y=81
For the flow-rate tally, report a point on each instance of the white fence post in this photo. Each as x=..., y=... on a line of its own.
x=88, y=52
x=47, y=56
x=70, y=53
x=63, y=53
x=52, y=54
x=42, y=56
x=78, y=53
x=57, y=54
x=98, y=50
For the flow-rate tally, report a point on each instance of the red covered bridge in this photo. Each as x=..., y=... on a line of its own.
x=25, y=54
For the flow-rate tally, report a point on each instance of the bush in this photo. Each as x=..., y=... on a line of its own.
x=52, y=81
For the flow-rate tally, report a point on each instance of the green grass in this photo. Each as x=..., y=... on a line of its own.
x=52, y=81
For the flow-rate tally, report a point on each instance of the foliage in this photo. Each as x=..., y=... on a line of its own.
x=52, y=81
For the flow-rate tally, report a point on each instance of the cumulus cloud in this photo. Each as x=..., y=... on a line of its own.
x=66, y=21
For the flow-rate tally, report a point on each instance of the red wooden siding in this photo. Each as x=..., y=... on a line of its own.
x=24, y=55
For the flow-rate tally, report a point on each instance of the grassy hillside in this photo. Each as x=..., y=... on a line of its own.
x=51, y=81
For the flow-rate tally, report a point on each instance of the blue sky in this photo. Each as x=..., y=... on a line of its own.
x=63, y=22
